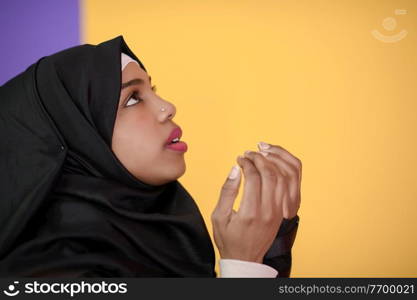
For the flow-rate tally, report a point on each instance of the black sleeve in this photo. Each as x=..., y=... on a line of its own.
x=279, y=254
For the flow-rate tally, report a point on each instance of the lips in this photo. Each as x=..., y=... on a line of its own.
x=175, y=133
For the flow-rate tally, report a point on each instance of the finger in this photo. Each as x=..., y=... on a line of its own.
x=284, y=166
x=287, y=156
x=294, y=161
x=292, y=197
x=283, y=199
x=228, y=194
x=281, y=193
x=250, y=204
x=289, y=171
x=268, y=183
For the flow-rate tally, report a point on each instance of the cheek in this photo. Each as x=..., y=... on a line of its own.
x=135, y=140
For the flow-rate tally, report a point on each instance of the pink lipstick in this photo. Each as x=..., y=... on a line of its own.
x=173, y=142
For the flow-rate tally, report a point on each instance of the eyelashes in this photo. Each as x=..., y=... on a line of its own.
x=135, y=96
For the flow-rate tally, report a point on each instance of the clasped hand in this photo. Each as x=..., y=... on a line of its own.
x=271, y=192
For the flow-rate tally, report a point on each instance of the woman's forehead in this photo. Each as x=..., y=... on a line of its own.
x=133, y=70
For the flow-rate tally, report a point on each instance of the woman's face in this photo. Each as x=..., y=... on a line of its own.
x=142, y=129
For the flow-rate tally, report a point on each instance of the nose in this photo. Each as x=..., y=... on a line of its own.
x=166, y=110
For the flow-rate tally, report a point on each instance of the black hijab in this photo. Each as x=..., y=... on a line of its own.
x=68, y=206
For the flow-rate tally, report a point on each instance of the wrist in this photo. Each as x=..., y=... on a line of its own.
x=242, y=258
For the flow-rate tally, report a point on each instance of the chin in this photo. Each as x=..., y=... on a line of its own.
x=171, y=174
x=179, y=171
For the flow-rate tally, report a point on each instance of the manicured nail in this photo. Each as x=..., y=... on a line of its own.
x=234, y=172
x=263, y=145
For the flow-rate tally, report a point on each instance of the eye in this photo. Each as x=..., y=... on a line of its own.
x=134, y=97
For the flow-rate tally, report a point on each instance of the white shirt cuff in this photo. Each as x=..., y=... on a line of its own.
x=241, y=268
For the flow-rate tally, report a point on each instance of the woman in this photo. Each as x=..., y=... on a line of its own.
x=89, y=185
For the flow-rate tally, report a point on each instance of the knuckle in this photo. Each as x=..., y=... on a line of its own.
x=259, y=159
x=268, y=218
x=298, y=163
x=228, y=189
x=271, y=174
x=248, y=219
x=214, y=215
x=214, y=218
x=292, y=171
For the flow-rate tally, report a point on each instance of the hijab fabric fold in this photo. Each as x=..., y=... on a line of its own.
x=68, y=206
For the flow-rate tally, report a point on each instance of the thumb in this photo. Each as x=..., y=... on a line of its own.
x=229, y=191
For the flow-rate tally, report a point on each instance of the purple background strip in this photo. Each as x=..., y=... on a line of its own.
x=31, y=29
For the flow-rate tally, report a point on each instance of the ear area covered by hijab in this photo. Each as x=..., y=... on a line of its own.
x=68, y=207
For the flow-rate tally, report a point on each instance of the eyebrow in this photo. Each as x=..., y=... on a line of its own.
x=137, y=81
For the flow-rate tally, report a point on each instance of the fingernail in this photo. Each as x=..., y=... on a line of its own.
x=263, y=145
x=234, y=172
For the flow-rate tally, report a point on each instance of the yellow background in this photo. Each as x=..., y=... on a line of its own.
x=306, y=75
